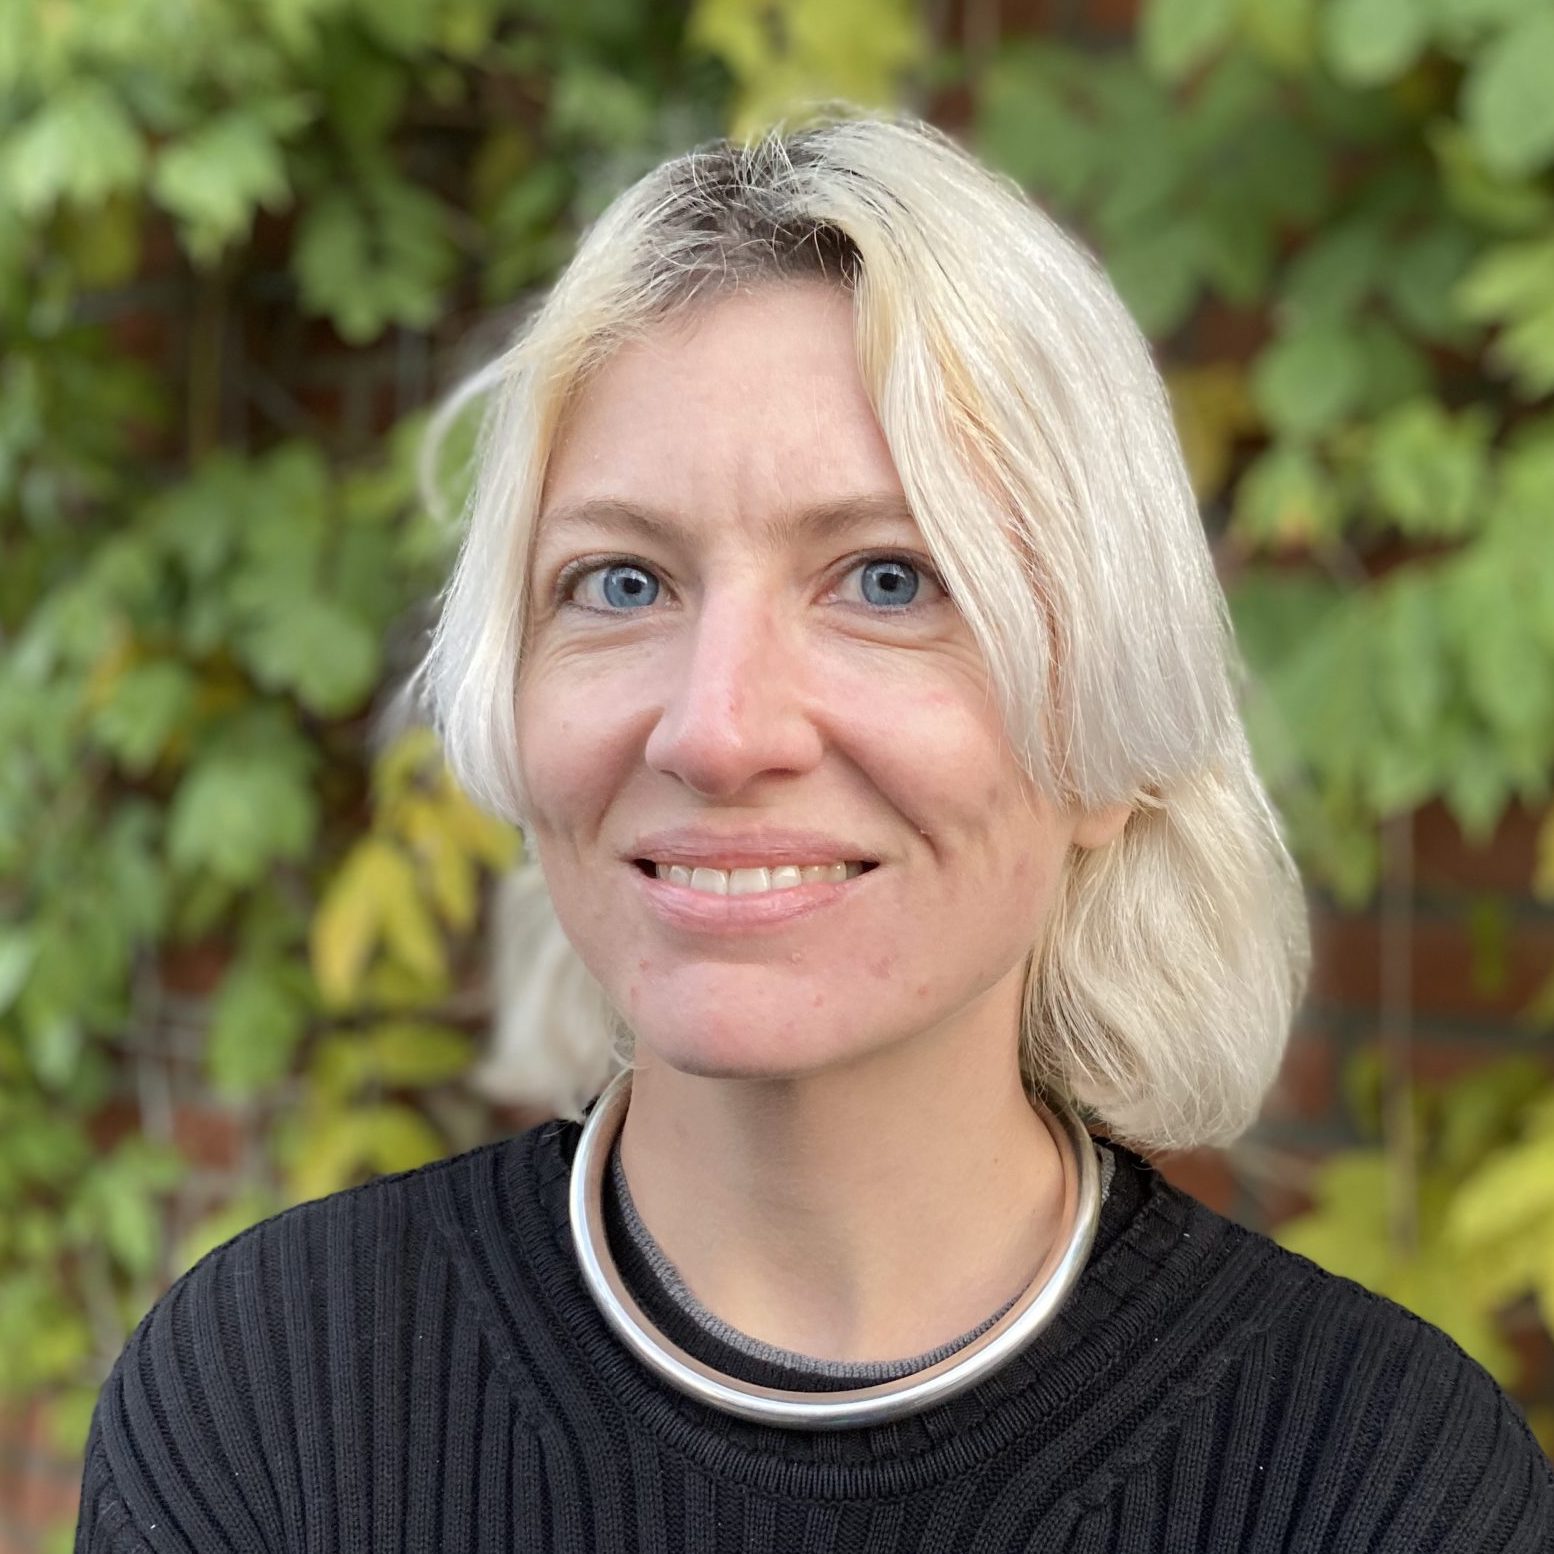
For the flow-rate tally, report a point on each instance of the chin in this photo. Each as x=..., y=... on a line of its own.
x=705, y=1050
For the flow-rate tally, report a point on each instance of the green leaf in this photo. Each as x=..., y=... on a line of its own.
x=1370, y=41
x=1411, y=668
x=1395, y=368
x=234, y=814
x=147, y=704
x=214, y=177
x=53, y=1039
x=1510, y=205
x=1513, y=284
x=1421, y=279
x=373, y=257
x=1283, y=32
x=79, y=145
x=1505, y=675
x=1477, y=788
x=1286, y=498
x=131, y=1225
x=1335, y=272
x=257, y=1018
x=1310, y=378
x=1177, y=35
x=1481, y=1109
x=1156, y=272
x=313, y=647
x=220, y=1226
x=1507, y=104
x=1027, y=128
x=18, y=950
x=1429, y=468
x=1468, y=18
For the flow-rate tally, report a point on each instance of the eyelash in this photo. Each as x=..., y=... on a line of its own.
x=575, y=571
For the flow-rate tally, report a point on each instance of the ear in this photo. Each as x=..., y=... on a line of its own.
x=1097, y=827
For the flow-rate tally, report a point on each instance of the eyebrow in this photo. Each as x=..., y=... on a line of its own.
x=842, y=515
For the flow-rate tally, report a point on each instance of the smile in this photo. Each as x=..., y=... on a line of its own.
x=710, y=903
x=750, y=881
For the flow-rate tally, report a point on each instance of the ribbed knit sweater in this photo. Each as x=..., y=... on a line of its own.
x=416, y=1367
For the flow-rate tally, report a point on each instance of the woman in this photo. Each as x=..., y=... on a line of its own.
x=835, y=619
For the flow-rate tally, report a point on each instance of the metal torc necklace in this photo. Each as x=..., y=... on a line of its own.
x=838, y=1410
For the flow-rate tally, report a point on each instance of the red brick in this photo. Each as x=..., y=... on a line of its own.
x=113, y=1121
x=1347, y=962
x=1205, y=1173
x=1445, y=859
x=209, y=1137
x=194, y=969
x=1435, y=1060
x=1307, y=1086
x=38, y=1489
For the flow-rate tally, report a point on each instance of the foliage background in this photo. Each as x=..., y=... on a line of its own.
x=241, y=246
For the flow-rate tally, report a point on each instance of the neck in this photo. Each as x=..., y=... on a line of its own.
x=864, y=1213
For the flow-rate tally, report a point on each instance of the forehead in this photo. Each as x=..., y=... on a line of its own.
x=749, y=405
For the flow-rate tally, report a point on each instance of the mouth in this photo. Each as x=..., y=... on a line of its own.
x=751, y=881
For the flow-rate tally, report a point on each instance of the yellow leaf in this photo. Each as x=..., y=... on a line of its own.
x=1543, y=1286
x=788, y=54
x=395, y=771
x=410, y=931
x=389, y=985
x=397, y=1138
x=340, y=1065
x=1433, y=1289
x=374, y=897
x=1212, y=408
x=497, y=844
x=325, y=1153
x=409, y=1052
x=1508, y=1195
x=1541, y=1418
x=449, y=868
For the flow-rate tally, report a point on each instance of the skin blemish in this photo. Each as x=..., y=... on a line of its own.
x=880, y=968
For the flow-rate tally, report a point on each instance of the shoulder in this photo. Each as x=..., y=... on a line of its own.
x=252, y=1353
x=1396, y=1437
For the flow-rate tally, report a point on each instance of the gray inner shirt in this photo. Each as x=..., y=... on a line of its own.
x=864, y=1371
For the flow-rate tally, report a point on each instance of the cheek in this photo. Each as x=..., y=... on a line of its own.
x=568, y=736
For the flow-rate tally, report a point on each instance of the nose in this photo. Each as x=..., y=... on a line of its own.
x=734, y=710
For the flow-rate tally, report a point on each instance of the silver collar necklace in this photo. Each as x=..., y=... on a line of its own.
x=855, y=1406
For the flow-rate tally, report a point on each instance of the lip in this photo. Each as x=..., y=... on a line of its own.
x=701, y=912
x=749, y=848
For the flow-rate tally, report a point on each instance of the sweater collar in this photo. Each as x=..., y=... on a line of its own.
x=1144, y=1257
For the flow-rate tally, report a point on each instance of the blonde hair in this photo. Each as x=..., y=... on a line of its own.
x=1034, y=440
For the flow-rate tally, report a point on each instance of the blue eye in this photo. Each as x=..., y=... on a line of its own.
x=623, y=585
x=894, y=580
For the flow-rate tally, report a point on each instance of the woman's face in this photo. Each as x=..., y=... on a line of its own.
x=739, y=658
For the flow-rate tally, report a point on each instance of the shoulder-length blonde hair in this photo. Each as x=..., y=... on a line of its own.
x=1034, y=440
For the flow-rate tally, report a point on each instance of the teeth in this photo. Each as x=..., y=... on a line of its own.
x=750, y=882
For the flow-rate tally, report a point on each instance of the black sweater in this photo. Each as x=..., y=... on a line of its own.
x=415, y=1367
